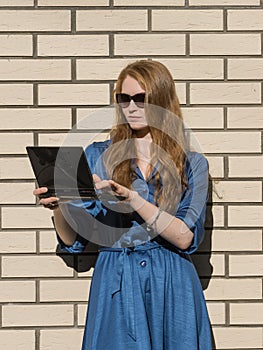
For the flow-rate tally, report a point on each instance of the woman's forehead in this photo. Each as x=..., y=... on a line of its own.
x=131, y=86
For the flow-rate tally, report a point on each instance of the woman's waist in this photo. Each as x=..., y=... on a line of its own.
x=132, y=248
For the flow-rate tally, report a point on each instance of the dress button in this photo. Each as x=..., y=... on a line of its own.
x=143, y=263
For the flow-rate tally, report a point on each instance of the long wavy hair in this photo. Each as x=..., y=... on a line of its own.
x=165, y=122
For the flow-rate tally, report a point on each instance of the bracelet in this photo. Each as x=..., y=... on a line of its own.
x=149, y=227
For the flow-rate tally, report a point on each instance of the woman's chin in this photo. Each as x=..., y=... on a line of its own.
x=138, y=126
x=140, y=130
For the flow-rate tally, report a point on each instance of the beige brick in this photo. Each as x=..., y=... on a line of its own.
x=15, y=143
x=217, y=216
x=59, y=139
x=17, y=242
x=34, y=266
x=228, y=142
x=216, y=312
x=237, y=191
x=246, y=117
x=225, y=93
x=73, y=3
x=251, y=68
x=64, y=290
x=17, y=193
x=195, y=68
x=35, y=118
x=112, y=20
x=95, y=118
x=101, y=69
x=187, y=20
x=234, y=288
x=225, y=44
x=16, y=94
x=17, y=291
x=150, y=44
x=17, y=339
x=203, y=118
x=233, y=240
x=204, y=269
x=82, y=139
x=246, y=166
x=223, y=2
x=238, y=337
x=35, y=69
x=88, y=273
x=60, y=339
x=35, y=20
x=245, y=216
x=82, y=312
x=9, y=166
x=74, y=94
x=181, y=92
x=245, y=19
x=73, y=45
x=16, y=45
x=27, y=217
x=47, y=241
x=10, y=3
x=246, y=265
x=149, y=3
x=37, y=315
x=246, y=313
x=216, y=166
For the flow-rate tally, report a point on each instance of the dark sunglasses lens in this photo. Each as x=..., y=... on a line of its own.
x=123, y=100
x=139, y=100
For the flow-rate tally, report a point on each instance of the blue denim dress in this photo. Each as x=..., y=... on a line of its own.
x=145, y=293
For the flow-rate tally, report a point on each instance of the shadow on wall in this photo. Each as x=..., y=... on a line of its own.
x=202, y=258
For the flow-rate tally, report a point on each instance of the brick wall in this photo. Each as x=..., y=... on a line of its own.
x=59, y=62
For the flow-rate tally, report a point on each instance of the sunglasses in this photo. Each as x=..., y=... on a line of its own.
x=124, y=100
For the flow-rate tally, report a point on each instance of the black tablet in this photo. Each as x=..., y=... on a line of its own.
x=63, y=170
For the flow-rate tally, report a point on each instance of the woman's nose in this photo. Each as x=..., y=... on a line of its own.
x=132, y=106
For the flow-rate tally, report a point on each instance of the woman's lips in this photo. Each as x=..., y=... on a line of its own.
x=134, y=117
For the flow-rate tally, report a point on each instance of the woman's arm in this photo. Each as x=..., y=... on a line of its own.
x=169, y=227
x=63, y=229
x=185, y=228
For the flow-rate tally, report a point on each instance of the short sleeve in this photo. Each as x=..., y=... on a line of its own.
x=77, y=247
x=192, y=207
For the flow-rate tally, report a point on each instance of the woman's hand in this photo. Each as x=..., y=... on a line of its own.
x=112, y=187
x=49, y=202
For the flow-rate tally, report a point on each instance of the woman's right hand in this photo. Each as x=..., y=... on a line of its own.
x=49, y=202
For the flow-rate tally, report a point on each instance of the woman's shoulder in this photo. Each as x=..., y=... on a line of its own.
x=195, y=160
x=97, y=147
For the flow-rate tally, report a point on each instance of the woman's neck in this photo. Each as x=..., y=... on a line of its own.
x=142, y=133
x=143, y=148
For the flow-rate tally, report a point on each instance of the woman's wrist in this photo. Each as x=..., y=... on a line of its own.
x=135, y=200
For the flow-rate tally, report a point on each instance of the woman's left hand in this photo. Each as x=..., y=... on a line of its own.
x=112, y=187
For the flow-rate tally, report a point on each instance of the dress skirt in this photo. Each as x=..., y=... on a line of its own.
x=146, y=298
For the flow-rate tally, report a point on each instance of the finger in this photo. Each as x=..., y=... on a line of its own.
x=115, y=186
x=47, y=201
x=96, y=178
x=40, y=190
x=102, y=184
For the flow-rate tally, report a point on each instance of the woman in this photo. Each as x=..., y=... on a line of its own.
x=145, y=292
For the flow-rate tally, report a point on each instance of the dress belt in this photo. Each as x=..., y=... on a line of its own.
x=122, y=282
